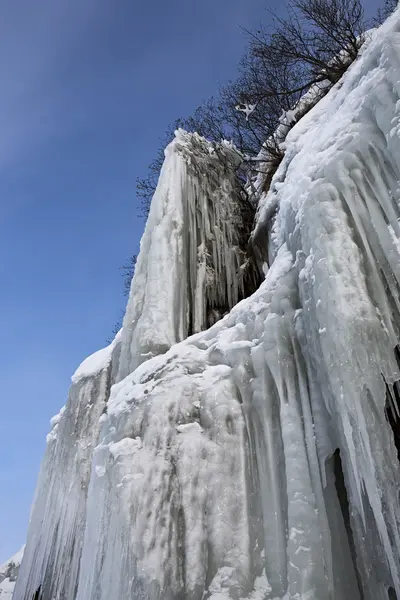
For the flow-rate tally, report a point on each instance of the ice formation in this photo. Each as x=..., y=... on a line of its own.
x=255, y=459
x=193, y=265
x=52, y=555
x=8, y=575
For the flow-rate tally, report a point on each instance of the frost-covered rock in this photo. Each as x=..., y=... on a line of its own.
x=8, y=575
x=256, y=459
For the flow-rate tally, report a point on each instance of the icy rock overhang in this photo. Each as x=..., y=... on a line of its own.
x=193, y=265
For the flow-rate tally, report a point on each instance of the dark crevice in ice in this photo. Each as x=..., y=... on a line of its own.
x=343, y=498
x=392, y=406
x=38, y=594
x=392, y=594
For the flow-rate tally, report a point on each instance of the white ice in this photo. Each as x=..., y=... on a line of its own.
x=214, y=470
x=189, y=262
x=8, y=575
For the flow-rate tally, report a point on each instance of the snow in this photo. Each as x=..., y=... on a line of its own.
x=6, y=589
x=190, y=428
x=8, y=575
x=207, y=466
x=96, y=362
x=247, y=109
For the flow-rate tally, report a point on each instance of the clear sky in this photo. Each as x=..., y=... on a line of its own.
x=88, y=87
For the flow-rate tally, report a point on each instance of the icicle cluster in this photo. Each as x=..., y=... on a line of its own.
x=255, y=460
x=193, y=265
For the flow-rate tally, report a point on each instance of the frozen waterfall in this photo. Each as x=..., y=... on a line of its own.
x=52, y=555
x=255, y=459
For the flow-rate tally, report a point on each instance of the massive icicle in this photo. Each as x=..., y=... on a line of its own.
x=192, y=267
x=253, y=460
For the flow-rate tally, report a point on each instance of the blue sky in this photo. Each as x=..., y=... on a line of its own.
x=88, y=87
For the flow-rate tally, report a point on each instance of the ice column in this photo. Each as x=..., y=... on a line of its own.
x=193, y=265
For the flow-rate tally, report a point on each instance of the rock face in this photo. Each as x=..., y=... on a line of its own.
x=8, y=575
x=255, y=459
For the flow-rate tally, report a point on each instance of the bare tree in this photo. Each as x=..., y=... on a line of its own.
x=129, y=270
x=316, y=41
x=312, y=46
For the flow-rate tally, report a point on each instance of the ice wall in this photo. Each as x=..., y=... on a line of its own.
x=254, y=460
x=52, y=555
x=193, y=266
x=209, y=453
